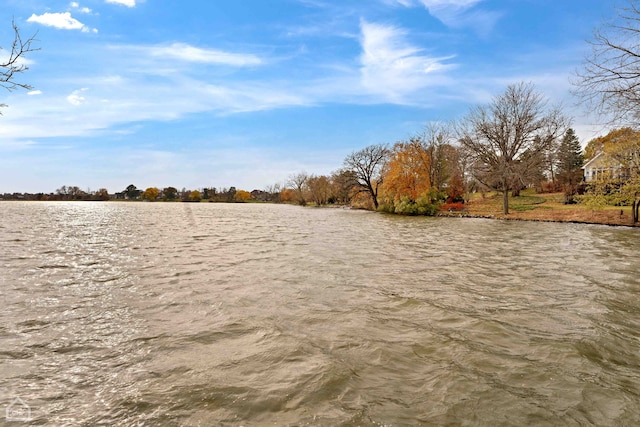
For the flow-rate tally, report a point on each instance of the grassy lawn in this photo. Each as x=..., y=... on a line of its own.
x=545, y=207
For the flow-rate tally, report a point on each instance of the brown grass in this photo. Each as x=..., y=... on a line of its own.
x=544, y=207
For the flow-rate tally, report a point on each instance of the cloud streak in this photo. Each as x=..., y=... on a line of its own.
x=392, y=67
x=128, y=3
x=185, y=52
x=456, y=13
x=60, y=20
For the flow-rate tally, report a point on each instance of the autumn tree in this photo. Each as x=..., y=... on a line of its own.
x=320, y=189
x=195, y=196
x=367, y=166
x=406, y=186
x=241, y=196
x=621, y=145
x=150, y=194
x=504, y=136
x=625, y=149
x=609, y=80
x=620, y=150
x=287, y=195
x=407, y=171
x=593, y=147
x=456, y=189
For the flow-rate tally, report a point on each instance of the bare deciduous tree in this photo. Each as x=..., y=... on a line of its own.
x=505, y=136
x=13, y=62
x=437, y=139
x=609, y=81
x=367, y=165
x=343, y=181
x=298, y=182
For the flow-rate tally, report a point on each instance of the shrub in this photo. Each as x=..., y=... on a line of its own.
x=406, y=206
x=452, y=207
x=613, y=192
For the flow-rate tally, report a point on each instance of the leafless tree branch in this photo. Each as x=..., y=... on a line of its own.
x=14, y=64
x=609, y=79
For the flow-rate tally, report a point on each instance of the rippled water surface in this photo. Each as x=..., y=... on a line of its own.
x=248, y=314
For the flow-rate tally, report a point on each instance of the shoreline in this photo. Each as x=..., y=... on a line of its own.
x=510, y=217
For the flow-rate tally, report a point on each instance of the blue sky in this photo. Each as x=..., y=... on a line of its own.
x=246, y=92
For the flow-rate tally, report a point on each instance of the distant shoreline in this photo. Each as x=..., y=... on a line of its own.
x=551, y=210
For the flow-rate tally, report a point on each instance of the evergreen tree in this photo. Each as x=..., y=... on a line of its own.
x=570, y=158
x=570, y=161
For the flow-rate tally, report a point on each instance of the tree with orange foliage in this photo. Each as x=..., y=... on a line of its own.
x=609, y=141
x=622, y=145
x=407, y=172
x=287, y=195
x=150, y=194
x=406, y=187
x=242, y=196
x=320, y=189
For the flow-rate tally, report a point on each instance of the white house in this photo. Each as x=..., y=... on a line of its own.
x=603, y=167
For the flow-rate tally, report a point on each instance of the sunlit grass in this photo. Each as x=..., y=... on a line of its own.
x=545, y=207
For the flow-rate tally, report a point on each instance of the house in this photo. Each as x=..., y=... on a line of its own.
x=603, y=167
x=260, y=195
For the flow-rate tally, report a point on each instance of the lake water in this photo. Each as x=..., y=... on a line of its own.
x=185, y=314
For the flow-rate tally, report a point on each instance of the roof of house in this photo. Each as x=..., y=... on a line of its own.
x=596, y=157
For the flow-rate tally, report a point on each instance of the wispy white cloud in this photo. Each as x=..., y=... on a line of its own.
x=109, y=101
x=34, y=92
x=457, y=4
x=456, y=13
x=60, y=20
x=450, y=12
x=128, y=3
x=185, y=52
x=437, y=6
x=391, y=66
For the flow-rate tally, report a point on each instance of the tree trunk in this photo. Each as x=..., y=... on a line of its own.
x=374, y=197
x=505, y=201
x=635, y=208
